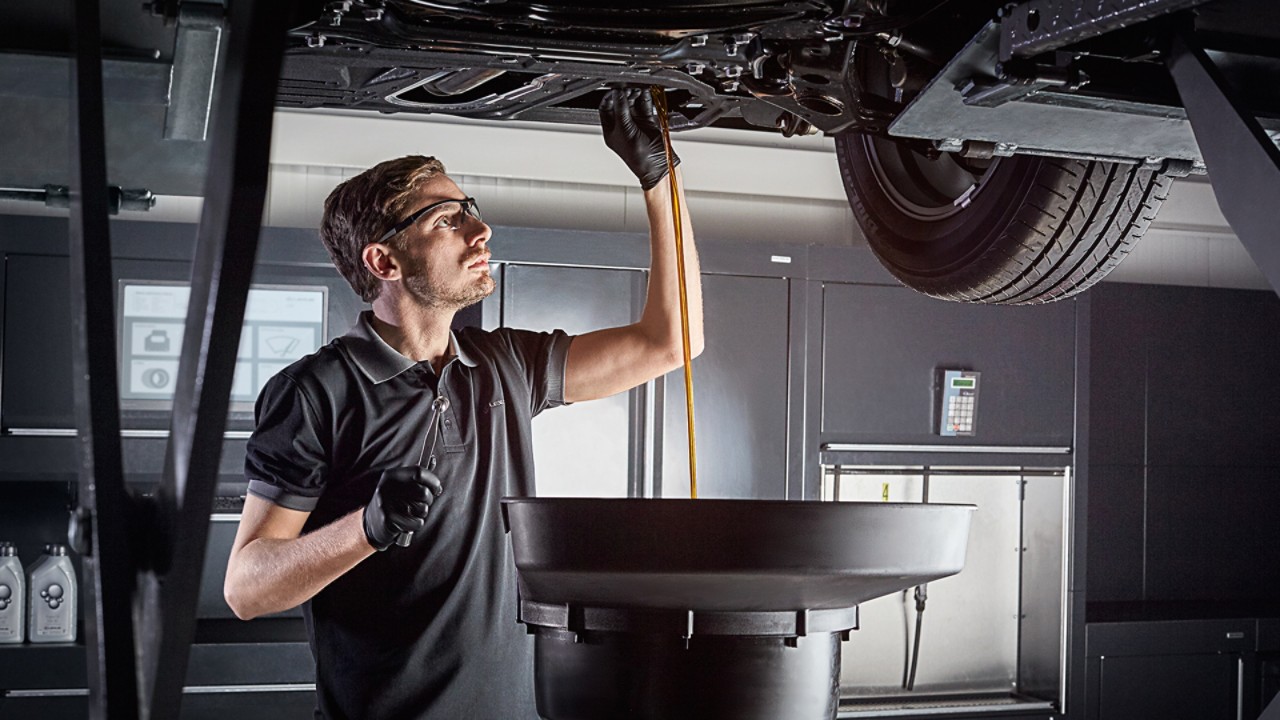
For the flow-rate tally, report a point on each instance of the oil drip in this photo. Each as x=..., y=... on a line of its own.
x=660, y=101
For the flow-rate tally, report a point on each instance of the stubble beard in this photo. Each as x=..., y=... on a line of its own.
x=431, y=295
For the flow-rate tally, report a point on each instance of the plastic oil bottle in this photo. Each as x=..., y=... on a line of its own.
x=51, y=598
x=12, y=595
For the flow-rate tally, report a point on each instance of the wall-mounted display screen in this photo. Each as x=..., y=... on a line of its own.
x=281, y=325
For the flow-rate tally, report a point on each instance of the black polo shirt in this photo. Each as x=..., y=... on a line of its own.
x=429, y=630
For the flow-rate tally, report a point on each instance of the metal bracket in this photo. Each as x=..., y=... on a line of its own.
x=1039, y=26
x=1017, y=79
x=195, y=67
x=1241, y=157
x=59, y=196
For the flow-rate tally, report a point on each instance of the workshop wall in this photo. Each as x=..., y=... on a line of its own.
x=1183, y=561
x=819, y=346
x=786, y=315
x=1184, y=464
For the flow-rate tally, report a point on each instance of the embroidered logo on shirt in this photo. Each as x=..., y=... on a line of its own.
x=495, y=403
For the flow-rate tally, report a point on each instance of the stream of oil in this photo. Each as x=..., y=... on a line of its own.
x=660, y=101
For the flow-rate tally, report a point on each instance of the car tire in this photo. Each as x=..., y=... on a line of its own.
x=1004, y=230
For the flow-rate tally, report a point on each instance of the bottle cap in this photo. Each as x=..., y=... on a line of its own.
x=56, y=549
x=7, y=549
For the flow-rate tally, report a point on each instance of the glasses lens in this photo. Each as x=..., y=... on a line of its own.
x=453, y=214
x=470, y=207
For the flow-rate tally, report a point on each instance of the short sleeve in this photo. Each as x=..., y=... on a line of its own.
x=285, y=460
x=542, y=357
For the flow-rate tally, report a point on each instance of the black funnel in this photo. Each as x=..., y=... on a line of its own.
x=654, y=609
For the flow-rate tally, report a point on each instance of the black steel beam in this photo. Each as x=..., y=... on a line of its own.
x=227, y=242
x=101, y=533
x=1243, y=162
x=1039, y=26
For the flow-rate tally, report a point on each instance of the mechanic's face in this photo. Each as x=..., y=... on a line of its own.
x=445, y=260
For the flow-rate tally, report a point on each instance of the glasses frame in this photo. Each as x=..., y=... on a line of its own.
x=469, y=207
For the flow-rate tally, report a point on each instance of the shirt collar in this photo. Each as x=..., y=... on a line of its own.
x=379, y=361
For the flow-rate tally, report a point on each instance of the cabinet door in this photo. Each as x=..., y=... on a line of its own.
x=1169, y=687
x=740, y=395
x=582, y=449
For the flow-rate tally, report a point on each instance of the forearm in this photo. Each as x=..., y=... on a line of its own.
x=661, y=315
x=270, y=575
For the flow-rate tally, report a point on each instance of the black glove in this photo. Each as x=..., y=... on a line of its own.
x=632, y=130
x=399, y=504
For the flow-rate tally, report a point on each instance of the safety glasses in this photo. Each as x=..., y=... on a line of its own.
x=455, y=212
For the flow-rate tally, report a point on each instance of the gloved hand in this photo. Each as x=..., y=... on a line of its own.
x=399, y=504
x=632, y=130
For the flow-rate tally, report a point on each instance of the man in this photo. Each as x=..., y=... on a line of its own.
x=428, y=629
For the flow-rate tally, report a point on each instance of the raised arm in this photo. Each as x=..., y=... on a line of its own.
x=606, y=362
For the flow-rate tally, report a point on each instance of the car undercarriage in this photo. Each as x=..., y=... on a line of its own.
x=991, y=152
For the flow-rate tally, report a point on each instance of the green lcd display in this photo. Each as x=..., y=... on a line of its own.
x=963, y=382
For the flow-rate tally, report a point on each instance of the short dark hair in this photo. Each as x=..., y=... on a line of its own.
x=363, y=208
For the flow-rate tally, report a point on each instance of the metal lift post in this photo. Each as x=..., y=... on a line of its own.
x=1243, y=162
x=139, y=633
x=100, y=528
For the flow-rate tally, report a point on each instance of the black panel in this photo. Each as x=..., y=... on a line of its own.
x=1114, y=565
x=276, y=705
x=882, y=346
x=250, y=664
x=51, y=708
x=1269, y=635
x=37, y=350
x=281, y=705
x=1176, y=637
x=1213, y=534
x=52, y=666
x=1215, y=377
x=1117, y=376
x=740, y=395
x=1175, y=687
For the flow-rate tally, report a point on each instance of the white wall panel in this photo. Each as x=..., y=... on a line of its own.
x=1168, y=257
x=715, y=159
x=743, y=187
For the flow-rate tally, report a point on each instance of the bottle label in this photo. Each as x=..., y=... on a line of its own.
x=51, y=616
x=10, y=612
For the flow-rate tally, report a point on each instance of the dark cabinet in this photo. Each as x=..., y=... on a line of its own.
x=1176, y=670
x=740, y=395
x=1172, y=687
x=1183, y=412
x=1116, y=562
x=1213, y=395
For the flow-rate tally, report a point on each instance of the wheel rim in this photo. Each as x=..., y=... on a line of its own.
x=923, y=188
